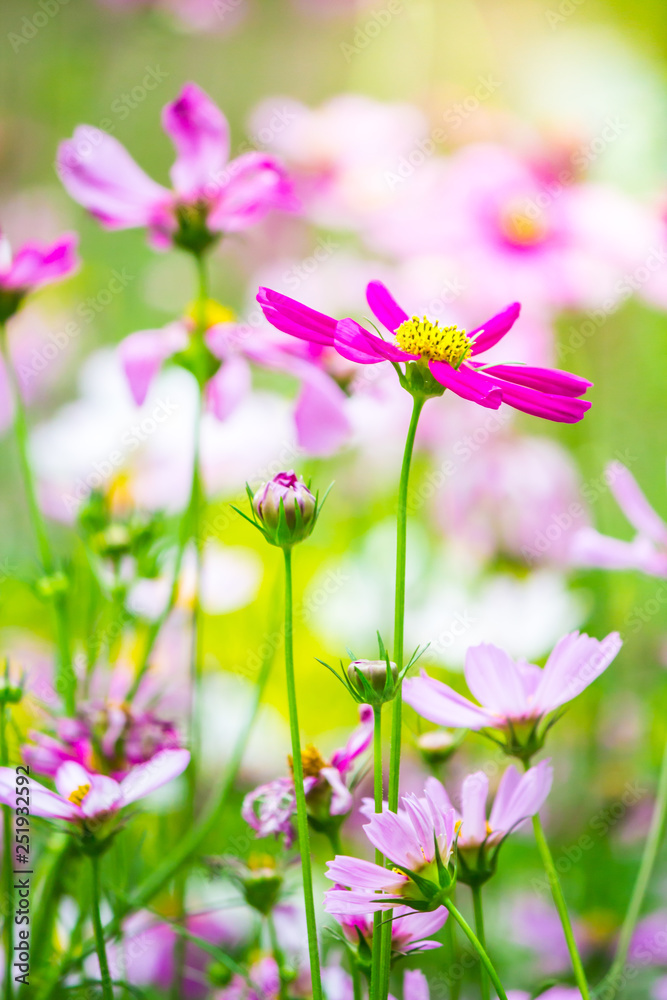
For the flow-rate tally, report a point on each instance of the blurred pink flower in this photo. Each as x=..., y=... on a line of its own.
x=544, y=392
x=512, y=692
x=649, y=941
x=537, y=927
x=83, y=796
x=647, y=551
x=321, y=422
x=269, y=808
x=210, y=195
x=409, y=928
x=34, y=264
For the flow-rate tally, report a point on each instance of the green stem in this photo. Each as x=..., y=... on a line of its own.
x=7, y=866
x=651, y=847
x=561, y=906
x=278, y=955
x=399, y=626
x=452, y=954
x=479, y=948
x=479, y=928
x=357, y=993
x=378, y=927
x=187, y=846
x=107, y=989
x=297, y=764
x=46, y=904
x=65, y=680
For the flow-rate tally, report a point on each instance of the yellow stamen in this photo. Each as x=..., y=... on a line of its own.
x=458, y=825
x=447, y=343
x=79, y=794
x=214, y=312
x=489, y=831
x=311, y=761
x=522, y=229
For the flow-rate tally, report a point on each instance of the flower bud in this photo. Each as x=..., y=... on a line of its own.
x=373, y=671
x=286, y=509
x=438, y=745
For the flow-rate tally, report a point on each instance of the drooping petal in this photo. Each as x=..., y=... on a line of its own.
x=634, y=504
x=321, y=421
x=341, y=797
x=590, y=548
x=200, y=134
x=560, y=409
x=495, y=681
x=474, y=793
x=35, y=265
x=100, y=174
x=410, y=927
x=160, y=769
x=415, y=985
x=351, y=341
x=143, y=353
x=439, y=703
x=520, y=796
x=359, y=741
x=384, y=306
x=467, y=383
x=491, y=332
x=345, y=902
x=253, y=184
x=576, y=661
x=550, y=380
x=298, y=320
x=360, y=874
x=43, y=802
x=228, y=387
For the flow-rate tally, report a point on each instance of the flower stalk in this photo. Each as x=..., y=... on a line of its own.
x=478, y=946
x=100, y=947
x=479, y=929
x=378, y=928
x=7, y=866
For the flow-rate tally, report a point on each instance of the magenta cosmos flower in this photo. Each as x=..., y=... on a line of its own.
x=319, y=414
x=32, y=266
x=511, y=693
x=447, y=353
x=269, y=808
x=84, y=798
x=646, y=552
x=409, y=929
x=417, y=841
x=210, y=195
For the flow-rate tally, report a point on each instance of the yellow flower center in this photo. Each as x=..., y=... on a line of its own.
x=521, y=229
x=311, y=761
x=446, y=343
x=214, y=313
x=79, y=794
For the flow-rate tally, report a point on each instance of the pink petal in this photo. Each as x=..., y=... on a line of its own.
x=341, y=798
x=100, y=174
x=364, y=874
x=550, y=380
x=103, y=797
x=160, y=769
x=69, y=777
x=384, y=306
x=494, y=330
x=634, y=504
x=520, y=797
x=467, y=383
x=200, y=133
x=35, y=265
x=253, y=185
x=343, y=902
x=589, y=548
x=473, y=807
x=415, y=985
x=143, y=353
x=298, y=320
x=439, y=703
x=351, y=341
x=561, y=409
x=437, y=792
x=229, y=386
x=42, y=801
x=495, y=681
x=321, y=422
x=576, y=661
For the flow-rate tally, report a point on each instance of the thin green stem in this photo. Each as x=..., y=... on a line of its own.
x=651, y=848
x=65, y=680
x=297, y=764
x=7, y=866
x=479, y=948
x=357, y=992
x=561, y=907
x=452, y=955
x=479, y=929
x=399, y=626
x=376, y=958
x=278, y=955
x=107, y=988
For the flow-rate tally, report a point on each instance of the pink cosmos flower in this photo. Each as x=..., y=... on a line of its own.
x=269, y=808
x=83, y=797
x=419, y=838
x=210, y=195
x=32, y=266
x=512, y=692
x=409, y=929
x=647, y=551
x=321, y=422
x=446, y=352
x=519, y=797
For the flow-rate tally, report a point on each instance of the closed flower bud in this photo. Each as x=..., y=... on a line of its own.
x=286, y=509
x=438, y=745
x=373, y=671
